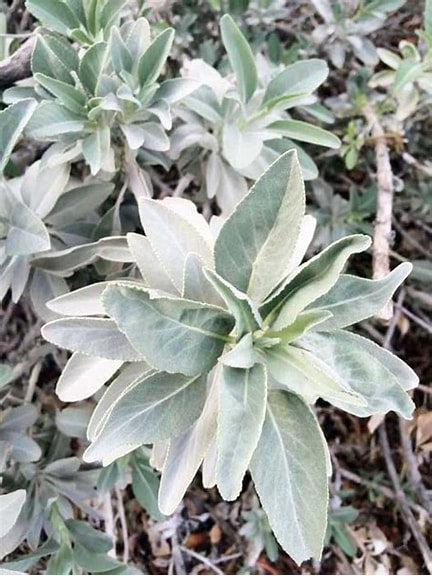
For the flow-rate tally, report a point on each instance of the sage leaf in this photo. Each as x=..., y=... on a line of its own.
x=257, y=241
x=152, y=60
x=12, y=123
x=354, y=299
x=304, y=322
x=247, y=318
x=298, y=79
x=302, y=373
x=305, y=132
x=83, y=376
x=50, y=120
x=172, y=334
x=155, y=408
x=27, y=233
x=240, y=56
x=196, y=285
x=186, y=452
x=145, y=486
x=55, y=14
x=242, y=406
x=357, y=366
x=92, y=337
x=243, y=355
x=54, y=59
x=92, y=65
x=127, y=376
x=65, y=262
x=10, y=508
x=173, y=236
x=289, y=472
x=85, y=301
x=313, y=279
x=153, y=273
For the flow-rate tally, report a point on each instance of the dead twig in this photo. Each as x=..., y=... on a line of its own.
x=123, y=524
x=383, y=220
x=108, y=516
x=17, y=66
x=400, y=497
x=202, y=559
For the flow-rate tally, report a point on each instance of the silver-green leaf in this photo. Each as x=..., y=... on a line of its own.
x=242, y=406
x=289, y=472
x=255, y=244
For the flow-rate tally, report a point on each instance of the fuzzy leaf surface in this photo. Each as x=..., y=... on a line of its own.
x=353, y=299
x=289, y=472
x=242, y=406
x=313, y=279
x=255, y=244
x=155, y=408
x=172, y=334
x=361, y=367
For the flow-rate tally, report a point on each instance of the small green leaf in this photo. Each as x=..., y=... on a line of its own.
x=13, y=120
x=6, y=375
x=92, y=66
x=246, y=316
x=298, y=79
x=305, y=132
x=54, y=14
x=289, y=472
x=240, y=56
x=172, y=334
x=151, y=62
x=145, y=486
x=242, y=405
x=243, y=355
x=304, y=322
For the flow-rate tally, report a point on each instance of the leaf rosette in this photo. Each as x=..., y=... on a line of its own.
x=216, y=350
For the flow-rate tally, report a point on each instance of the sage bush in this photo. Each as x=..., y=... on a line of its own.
x=203, y=329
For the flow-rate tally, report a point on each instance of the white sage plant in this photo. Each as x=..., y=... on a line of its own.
x=48, y=217
x=233, y=127
x=217, y=352
x=104, y=103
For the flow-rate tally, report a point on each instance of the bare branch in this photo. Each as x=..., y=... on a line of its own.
x=383, y=220
x=18, y=65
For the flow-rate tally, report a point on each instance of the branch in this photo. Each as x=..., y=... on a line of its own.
x=383, y=220
x=18, y=65
x=400, y=497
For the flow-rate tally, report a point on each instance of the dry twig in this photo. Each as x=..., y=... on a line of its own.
x=400, y=496
x=383, y=220
x=17, y=66
x=123, y=524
